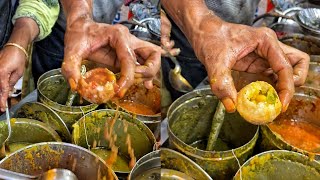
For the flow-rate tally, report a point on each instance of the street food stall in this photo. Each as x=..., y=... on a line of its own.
x=136, y=137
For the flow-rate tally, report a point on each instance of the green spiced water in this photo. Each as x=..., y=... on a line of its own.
x=162, y=174
x=16, y=146
x=121, y=164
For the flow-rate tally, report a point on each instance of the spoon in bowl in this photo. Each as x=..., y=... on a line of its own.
x=52, y=174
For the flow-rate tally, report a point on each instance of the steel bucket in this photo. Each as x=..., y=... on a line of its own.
x=189, y=122
x=53, y=91
x=280, y=165
x=41, y=157
x=89, y=132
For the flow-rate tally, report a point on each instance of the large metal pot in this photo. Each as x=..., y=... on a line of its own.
x=305, y=43
x=313, y=77
x=145, y=97
x=39, y=158
x=41, y=112
x=190, y=119
x=279, y=164
x=89, y=132
x=303, y=107
x=25, y=132
x=53, y=91
x=167, y=164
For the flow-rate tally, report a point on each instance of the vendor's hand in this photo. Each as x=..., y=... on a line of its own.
x=166, y=43
x=243, y=48
x=86, y=39
x=12, y=62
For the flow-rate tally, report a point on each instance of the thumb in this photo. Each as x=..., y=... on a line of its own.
x=222, y=86
x=71, y=69
x=4, y=91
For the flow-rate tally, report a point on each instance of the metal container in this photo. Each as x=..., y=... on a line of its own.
x=39, y=158
x=280, y=165
x=25, y=132
x=305, y=43
x=308, y=19
x=189, y=122
x=41, y=112
x=167, y=163
x=308, y=110
x=313, y=78
x=89, y=132
x=53, y=91
x=150, y=98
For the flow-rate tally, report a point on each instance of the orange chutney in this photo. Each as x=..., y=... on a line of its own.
x=300, y=134
x=136, y=108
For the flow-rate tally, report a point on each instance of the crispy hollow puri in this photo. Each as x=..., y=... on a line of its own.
x=258, y=103
x=97, y=86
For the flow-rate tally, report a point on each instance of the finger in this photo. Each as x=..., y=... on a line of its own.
x=128, y=61
x=71, y=69
x=4, y=89
x=252, y=63
x=152, y=63
x=168, y=44
x=222, y=84
x=15, y=76
x=173, y=52
x=105, y=55
x=300, y=62
x=148, y=84
x=268, y=48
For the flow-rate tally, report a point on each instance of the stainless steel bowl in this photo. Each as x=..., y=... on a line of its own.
x=39, y=158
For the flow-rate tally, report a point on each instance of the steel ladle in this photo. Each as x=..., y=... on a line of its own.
x=177, y=81
x=3, y=150
x=52, y=174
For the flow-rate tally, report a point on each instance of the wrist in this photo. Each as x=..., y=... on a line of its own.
x=76, y=11
x=24, y=32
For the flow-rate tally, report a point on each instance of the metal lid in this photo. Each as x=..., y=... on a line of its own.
x=310, y=19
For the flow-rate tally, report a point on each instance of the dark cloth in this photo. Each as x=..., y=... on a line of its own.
x=48, y=53
x=7, y=9
x=234, y=11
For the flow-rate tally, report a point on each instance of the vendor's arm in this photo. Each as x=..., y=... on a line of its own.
x=33, y=20
x=223, y=46
x=86, y=39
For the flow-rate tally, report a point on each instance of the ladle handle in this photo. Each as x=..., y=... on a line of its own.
x=8, y=120
x=72, y=94
x=217, y=122
x=177, y=67
x=10, y=175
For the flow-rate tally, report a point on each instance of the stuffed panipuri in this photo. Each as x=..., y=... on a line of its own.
x=258, y=103
x=97, y=85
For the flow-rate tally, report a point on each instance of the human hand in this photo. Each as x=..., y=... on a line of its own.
x=12, y=62
x=167, y=44
x=223, y=46
x=110, y=45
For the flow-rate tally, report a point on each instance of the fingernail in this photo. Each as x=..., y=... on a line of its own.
x=72, y=84
x=229, y=105
x=122, y=93
x=285, y=107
